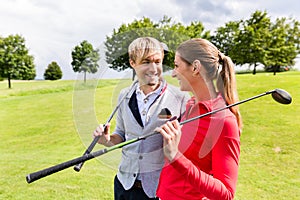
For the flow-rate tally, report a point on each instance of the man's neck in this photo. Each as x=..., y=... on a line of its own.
x=149, y=88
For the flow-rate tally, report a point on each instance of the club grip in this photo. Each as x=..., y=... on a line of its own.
x=78, y=167
x=56, y=168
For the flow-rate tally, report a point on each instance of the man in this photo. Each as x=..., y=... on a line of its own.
x=139, y=114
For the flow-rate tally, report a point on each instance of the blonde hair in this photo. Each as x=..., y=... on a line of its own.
x=142, y=47
x=211, y=58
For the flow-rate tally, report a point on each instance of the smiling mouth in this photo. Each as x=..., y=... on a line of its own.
x=152, y=79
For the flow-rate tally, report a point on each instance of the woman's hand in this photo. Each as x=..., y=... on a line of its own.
x=171, y=132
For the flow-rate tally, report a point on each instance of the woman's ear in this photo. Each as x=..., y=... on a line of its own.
x=196, y=66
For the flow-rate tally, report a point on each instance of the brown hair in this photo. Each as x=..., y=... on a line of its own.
x=211, y=58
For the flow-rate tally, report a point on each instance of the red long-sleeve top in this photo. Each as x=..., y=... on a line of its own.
x=207, y=165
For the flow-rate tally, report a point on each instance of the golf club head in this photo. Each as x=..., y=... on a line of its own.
x=281, y=96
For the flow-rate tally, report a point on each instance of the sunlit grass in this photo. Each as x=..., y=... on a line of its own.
x=44, y=123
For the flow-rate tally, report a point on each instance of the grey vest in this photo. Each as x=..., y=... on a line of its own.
x=145, y=157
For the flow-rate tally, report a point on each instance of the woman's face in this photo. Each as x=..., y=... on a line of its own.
x=183, y=72
x=149, y=70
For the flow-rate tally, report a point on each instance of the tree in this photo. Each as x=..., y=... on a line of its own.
x=15, y=62
x=242, y=40
x=173, y=33
x=53, y=72
x=258, y=40
x=282, y=45
x=225, y=38
x=250, y=44
x=166, y=31
x=85, y=58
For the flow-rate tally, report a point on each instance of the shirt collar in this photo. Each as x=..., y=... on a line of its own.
x=209, y=105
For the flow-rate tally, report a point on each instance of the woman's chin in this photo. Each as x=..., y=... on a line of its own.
x=182, y=87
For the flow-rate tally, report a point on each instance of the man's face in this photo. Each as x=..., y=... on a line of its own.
x=149, y=70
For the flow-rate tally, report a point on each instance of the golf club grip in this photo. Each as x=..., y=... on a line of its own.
x=78, y=167
x=56, y=168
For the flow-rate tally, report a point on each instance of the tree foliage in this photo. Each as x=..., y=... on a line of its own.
x=53, y=72
x=166, y=30
x=258, y=40
x=15, y=61
x=282, y=45
x=251, y=43
x=85, y=58
x=226, y=37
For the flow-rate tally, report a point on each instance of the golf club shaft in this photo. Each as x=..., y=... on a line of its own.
x=56, y=168
x=45, y=172
x=228, y=106
x=78, y=166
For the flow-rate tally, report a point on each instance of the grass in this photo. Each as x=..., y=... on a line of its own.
x=45, y=123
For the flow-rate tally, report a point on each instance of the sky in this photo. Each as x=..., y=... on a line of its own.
x=53, y=28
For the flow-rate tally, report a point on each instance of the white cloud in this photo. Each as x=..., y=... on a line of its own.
x=53, y=28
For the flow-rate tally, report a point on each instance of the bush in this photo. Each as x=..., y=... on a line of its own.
x=53, y=72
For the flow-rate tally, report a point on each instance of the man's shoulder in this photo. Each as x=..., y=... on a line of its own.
x=129, y=89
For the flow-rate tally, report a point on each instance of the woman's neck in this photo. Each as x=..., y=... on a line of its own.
x=204, y=91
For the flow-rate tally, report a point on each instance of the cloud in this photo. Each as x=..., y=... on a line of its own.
x=53, y=28
x=202, y=10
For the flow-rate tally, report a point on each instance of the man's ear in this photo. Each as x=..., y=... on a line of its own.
x=132, y=63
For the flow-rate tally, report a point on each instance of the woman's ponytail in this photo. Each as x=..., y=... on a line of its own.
x=226, y=84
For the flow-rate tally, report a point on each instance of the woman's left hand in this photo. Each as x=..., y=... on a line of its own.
x=171, y=132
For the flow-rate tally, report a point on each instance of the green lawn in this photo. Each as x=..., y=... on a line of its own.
x=45, y=123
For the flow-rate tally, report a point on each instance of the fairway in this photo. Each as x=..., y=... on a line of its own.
x=44, y=123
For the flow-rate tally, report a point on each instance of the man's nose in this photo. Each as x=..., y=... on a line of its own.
x=153, y=66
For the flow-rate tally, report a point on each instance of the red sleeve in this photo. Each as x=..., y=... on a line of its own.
x=225, y=157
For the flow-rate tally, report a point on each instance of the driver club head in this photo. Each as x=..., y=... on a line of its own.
x=281, y=96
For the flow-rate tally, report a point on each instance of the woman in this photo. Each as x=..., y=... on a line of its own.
x=202, y=156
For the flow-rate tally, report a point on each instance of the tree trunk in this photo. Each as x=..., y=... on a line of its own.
x=8, y=78
x=275, y=70
x=84, y=77
x=254, y=69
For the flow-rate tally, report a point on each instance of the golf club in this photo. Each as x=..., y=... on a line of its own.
x=94, y=142
x=279, y=95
